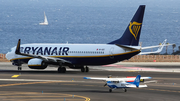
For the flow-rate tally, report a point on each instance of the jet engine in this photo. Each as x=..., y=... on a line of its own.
x=36, y=63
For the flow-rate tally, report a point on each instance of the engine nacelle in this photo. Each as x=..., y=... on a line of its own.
x=36, y=63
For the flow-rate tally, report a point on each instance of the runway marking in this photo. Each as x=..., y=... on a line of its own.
x=6, y=95
x=46, y=99
x=137, y=88
x=88, y=85
x=16, y=84
x=68, y=84
x=162, y=90
x=4, y=85
x=167, y=78
x=15, y=76
x=39, y=80
x=167, y=85
x=134, y=68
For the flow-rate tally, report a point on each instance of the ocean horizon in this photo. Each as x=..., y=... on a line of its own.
x=89, y=21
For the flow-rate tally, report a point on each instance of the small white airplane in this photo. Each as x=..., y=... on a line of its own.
x=116, y=83
x=80, y=56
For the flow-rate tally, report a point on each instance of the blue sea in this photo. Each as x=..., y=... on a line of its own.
x=86, y=21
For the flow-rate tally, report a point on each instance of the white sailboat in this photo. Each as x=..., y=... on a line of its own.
x=45, y=20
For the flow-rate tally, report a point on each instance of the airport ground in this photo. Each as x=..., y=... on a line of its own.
x=48, y=85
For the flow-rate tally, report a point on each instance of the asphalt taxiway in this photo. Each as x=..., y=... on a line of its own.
x=49, y=85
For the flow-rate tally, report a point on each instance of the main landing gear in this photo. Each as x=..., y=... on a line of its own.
x=110, y=90
x=61, y=70
x=125, y=90
x=85, y=69
x=19, y=65
x=19, y=68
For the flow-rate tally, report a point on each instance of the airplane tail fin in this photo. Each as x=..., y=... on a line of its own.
x=137, y=80
x=18, y=47
x=132, y=33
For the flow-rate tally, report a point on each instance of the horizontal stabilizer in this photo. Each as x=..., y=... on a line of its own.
x=134, y=86
x=157, y=51
x=142, y=86
x=126, y=47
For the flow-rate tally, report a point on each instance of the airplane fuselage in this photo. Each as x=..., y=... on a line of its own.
x=77, y=54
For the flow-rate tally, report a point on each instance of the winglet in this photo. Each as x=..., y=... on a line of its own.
x=18, y=47
x=161, y=47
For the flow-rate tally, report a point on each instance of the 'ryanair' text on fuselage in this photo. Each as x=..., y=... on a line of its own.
x=45, y=50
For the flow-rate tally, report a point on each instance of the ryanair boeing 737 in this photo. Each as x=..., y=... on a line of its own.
x=79, y=56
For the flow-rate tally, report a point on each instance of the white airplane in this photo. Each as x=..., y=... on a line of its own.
x=116, y=83
x=80, y=56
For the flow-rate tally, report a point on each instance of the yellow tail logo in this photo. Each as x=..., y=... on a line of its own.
x=134, y=28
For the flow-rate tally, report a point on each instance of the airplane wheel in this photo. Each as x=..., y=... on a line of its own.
x=83, y=69
x=19, y=68
x=59, y=70
x=110, y=90
x=63, y=70
x=87, y=69
x=125, y=90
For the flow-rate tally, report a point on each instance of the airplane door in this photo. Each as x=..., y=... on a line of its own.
x=111, y=53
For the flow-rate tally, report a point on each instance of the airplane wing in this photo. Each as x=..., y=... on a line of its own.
x=103, y=79
x=45, y=58
x=115, y=79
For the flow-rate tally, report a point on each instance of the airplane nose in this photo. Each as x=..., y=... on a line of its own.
x=8, y=56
